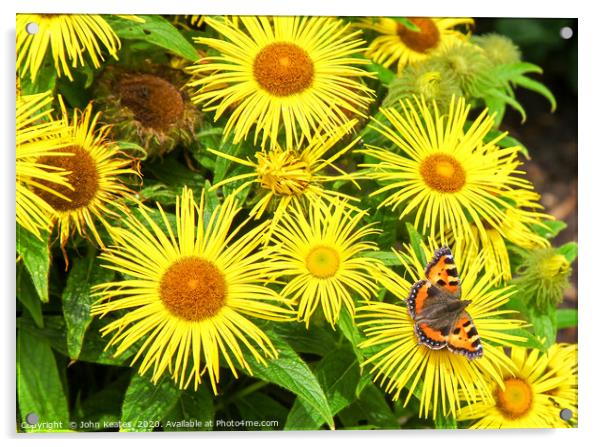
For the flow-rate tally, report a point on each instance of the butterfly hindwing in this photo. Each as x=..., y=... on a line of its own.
x=464, y=339
x=433, y=338
x=442, y=271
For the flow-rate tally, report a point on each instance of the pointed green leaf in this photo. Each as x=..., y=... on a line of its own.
x=155, y=30
x=537, y=87
x=77, y=298
x=568, y=250
x=292, y=373
x=40, y=392
x=566, y=318
x=386, y=257
x=193, y=411
x=415, y=242
x=263, y=410
x=508, y=100
x=27, y=295
x=550, y=228
x=338, y=373
x=384, y=74
x=35, y=255
x=408, y=23
x=145, y=404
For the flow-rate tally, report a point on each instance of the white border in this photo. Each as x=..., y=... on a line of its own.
x=589, y=215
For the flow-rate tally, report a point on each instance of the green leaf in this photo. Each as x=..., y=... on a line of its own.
x=145, y=404
x=508, y=72
x=568, y=250
x=537, y=87
x=384, y=74
x=39, y=388
x=445, y=422
x=550, y=228
x=338, y=373
x=415, y=242
x=351, y=332
x=292, y=373
x=313, y=340
x=174, y=174
x=36, y=256
x=566, y=318
x=45, y=79
x=388, y=258
x=193, y=411
x=507, y=99
x=155, y=30
x=408, y=23
x=27, y=295
x=103, y=407
x=544, y=326
x=77, y=298
x=93, y=348
x=259, y=408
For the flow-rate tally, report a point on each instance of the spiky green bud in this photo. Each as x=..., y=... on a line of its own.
x=499, y=49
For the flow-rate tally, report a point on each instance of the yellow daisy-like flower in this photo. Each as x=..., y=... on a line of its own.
x=529, y=397
x=516, y=228
x=189, y=292
x=399, y=44
x=95, y=167
x=293, y=176
x=563, y=362
x=69, y=37
x=292, y=72
x=38, y=135
x=438, y=377
x=320, y=258
x=447, y=178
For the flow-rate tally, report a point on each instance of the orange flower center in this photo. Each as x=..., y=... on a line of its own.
x=516, y=399
x=322, y=261
x=443, y=173
x=283, y=69
x=83, y=178
x=193, y=289
x=419, y=41
x=155, y=102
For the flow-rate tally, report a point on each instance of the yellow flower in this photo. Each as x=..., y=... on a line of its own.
x=293, y=176
x=542, y=385
x=95, y=167
x=69, y=37
x=521, y=217
x=563, y=362
x=291, y=72
x=447, y=178
x=399, y=44
x=38, y=135
x=189, y=292
x=319, y=256
x=438, y=377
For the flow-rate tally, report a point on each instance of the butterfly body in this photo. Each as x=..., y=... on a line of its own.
x=439, y=314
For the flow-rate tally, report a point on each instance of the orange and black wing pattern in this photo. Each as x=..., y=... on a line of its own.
x=464, y=339
x=443, y=272
x=420, y=293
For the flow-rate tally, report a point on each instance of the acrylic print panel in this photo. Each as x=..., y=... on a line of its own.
x=272, y=223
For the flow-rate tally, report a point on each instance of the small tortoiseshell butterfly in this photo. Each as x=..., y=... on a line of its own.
x=435, y=305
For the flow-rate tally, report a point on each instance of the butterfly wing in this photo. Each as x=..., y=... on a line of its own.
x=427, y=335
x=464, y=339
x=443, y=272
x=418, y=295
x=434, y=312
